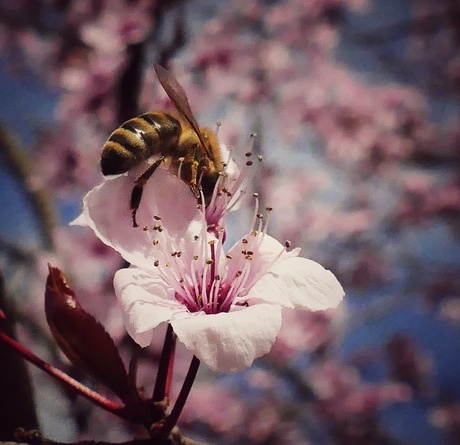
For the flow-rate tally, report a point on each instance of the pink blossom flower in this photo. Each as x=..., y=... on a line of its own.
x=224, y=306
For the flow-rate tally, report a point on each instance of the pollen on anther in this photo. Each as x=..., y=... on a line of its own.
x=155, y=242
x=260, y=158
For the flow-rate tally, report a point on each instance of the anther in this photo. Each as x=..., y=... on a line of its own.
x=145, y=228
x=287, y=244
x=268, y=209
x=260, y=158
x=244, y=241
x=209, y=261
x=156, y=263
x=249, y=163
x=155, y=242
x=259, y=215
x=157, y=217
x=248, y=154
x=255, y=195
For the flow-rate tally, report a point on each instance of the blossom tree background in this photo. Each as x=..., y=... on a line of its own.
x=355, y=106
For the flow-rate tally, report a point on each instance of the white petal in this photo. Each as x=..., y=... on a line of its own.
x=146, y=302
x=80, y=220
x=298, y=282
x=229, y=342
x=107, y=211
x=265, y=250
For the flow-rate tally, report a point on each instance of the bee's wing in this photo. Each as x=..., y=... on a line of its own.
x=179, y=98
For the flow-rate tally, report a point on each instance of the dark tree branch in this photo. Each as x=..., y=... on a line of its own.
x=130, y=83
x=18, y=164
x=17, y=403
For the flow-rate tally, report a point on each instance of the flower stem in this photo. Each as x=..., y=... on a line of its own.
x=171, y=420
x=165, y=368
x=96, y=398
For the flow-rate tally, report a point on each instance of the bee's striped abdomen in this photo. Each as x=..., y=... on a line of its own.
x=138, y=139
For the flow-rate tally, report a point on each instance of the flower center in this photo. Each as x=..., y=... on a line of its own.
x=203, y=277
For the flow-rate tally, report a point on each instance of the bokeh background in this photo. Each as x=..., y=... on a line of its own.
x=356, y=109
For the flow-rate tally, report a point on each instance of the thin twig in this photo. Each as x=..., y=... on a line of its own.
x=165, y=368
x=171, y=420
x=96, y=398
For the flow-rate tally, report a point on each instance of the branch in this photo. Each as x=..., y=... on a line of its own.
x=17, y=405
x=34, y=437
x=74, y=385
x=19, y=166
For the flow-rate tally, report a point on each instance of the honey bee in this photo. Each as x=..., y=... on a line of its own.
x=190, y=152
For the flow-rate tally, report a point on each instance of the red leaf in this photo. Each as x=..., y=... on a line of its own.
x=81, y=337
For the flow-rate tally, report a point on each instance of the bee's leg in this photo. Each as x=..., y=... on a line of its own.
x=191, y=161
x=193, y=183
x=136, y=194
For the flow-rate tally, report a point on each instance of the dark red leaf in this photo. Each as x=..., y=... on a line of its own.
x=81, y=337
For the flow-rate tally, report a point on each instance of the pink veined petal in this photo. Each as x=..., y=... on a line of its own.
x=230, y=342
x=107, y=212
x=298, y=282
x=146, y=301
